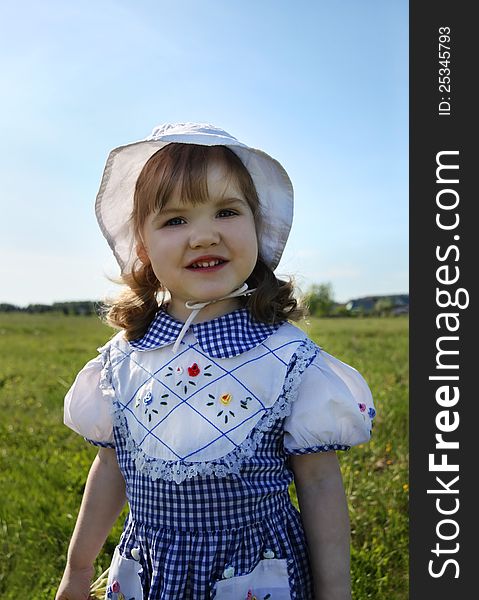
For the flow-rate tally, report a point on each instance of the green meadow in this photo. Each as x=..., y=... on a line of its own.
x=43, y=465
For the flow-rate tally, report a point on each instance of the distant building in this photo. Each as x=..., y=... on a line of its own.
x=394, y=304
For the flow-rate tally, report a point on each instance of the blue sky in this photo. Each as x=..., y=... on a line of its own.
x=321, y=86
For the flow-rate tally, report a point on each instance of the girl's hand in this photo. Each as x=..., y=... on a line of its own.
x=75, y=584
x=103, y=500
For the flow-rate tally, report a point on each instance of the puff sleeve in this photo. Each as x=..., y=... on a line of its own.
x=333, y=409
x=87, y=406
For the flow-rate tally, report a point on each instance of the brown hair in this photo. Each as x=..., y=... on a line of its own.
x=183, y=168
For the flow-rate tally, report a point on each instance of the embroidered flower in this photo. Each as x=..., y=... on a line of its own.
x=371, y=413
x=147, y=401
x=362, y=406
x=226, y=399
x=194, y=370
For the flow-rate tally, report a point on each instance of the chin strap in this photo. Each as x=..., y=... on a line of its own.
x=196, y=307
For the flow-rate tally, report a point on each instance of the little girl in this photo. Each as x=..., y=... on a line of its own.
x=208, y=402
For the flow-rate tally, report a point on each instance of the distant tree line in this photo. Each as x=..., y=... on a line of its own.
x=81, y=307
x=319, y=300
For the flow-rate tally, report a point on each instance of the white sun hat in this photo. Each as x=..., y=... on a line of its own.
x=114, y=202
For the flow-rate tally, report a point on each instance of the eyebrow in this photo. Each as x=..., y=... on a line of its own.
x=184, y=208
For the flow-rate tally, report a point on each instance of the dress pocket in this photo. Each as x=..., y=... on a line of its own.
x=267, y=581
x=124, y=578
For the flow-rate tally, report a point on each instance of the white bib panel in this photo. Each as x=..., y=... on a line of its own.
x=190, y=407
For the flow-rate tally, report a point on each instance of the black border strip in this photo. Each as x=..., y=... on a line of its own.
x=448, y=131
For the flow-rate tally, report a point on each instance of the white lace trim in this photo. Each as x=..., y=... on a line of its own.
x=178, y=471
x=105, y=374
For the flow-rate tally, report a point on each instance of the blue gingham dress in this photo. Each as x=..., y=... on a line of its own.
x=191, y=521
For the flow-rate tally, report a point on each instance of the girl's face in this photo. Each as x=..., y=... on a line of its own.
x=203, y=251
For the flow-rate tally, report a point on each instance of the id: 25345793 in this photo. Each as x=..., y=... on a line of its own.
x=444, y=72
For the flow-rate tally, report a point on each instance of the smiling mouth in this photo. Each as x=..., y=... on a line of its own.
x=206, y=264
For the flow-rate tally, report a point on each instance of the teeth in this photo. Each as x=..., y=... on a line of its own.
x=205, y=264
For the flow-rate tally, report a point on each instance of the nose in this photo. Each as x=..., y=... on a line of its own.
x=204, y=235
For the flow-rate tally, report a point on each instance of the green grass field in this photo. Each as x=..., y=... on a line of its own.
x=43, y=465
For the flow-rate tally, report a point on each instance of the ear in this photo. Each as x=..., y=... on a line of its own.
x=142, y=253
